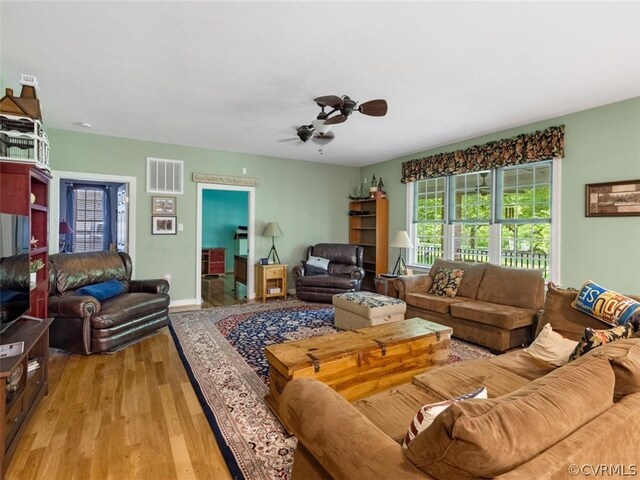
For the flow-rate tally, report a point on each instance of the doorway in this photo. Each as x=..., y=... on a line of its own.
x=225, y=220
x=98, y=233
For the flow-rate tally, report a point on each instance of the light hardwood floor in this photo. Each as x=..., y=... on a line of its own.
x=220, y=292
x=130, y=415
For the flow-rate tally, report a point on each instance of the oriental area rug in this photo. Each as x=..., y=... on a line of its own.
x=223, y=352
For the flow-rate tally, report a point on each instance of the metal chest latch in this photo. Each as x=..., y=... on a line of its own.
x=382, y=345
x=316, y=362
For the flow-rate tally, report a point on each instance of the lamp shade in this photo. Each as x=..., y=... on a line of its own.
x=401, y=240
x=271, y=230
x=64, y=228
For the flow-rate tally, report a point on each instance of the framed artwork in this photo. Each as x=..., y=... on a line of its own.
x=163, y=205
x=163, y=225
x=613, y=199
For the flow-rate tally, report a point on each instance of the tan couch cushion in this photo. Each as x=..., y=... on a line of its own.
x=625, y=360
x=565, y=319
x=392, y=410
x=473, y=273
x=485, y=438
x=523, y=364
x=502, y=316
x=460, y=378
x=518, y=287
x=434, y=303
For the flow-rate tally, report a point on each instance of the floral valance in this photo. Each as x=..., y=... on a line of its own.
x=524, y=148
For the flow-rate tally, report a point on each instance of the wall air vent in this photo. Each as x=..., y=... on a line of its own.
x=164, y=176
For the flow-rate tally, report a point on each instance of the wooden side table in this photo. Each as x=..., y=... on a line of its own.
x=271, y=281
x=386, y=286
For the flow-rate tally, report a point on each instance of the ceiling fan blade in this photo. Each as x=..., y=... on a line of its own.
x=335, y=120
x=374, y=108
x=329, y=101
x=289, y=140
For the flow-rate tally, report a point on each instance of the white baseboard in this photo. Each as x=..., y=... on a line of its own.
x=186, y=302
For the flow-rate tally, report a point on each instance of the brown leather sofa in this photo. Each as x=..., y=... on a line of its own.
x=85, y=325
x=540, y=421
x=494, y=307
x=345, y=272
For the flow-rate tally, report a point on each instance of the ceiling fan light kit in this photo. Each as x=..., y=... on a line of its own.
x=342, y=107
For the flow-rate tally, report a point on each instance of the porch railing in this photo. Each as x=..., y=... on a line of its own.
x=427, y=254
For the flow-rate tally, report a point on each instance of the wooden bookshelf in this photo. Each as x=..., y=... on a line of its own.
x=369, y=227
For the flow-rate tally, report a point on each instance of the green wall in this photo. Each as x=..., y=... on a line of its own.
x=307, y=199
x=601, y=144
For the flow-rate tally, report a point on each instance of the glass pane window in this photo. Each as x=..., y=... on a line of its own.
x=500, y=215
x=429, y=243
x=526, y=192
x=471, y=242
x=526, y=245
x=88, y=226
x=471, y=197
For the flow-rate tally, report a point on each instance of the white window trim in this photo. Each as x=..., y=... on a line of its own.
x=494, y=232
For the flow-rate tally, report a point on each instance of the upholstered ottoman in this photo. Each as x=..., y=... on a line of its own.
x=366, y=309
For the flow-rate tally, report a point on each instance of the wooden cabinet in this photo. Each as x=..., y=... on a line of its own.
x=24, y=190
x=26, y=375
x=271, y=281
x=386, y=286
x=369, y=227
x=213, y=261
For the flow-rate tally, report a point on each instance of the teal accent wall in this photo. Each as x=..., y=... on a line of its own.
x=601, y=144
x=307, y=199
x=222, y=212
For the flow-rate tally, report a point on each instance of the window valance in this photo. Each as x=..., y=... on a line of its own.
x=524, y=148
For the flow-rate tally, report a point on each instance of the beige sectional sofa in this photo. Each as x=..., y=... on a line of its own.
x=494, y=307
x=539, y=421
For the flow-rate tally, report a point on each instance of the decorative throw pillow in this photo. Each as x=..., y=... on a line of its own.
x=596, y=338
x=607, y=305
x=104, y=290
x=310, y=270
x=318, y=262
x=427, y=414
x=446, y=282
x=551, y=347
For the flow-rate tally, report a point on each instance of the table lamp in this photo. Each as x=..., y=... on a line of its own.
x=400, y=240
x=272, y=230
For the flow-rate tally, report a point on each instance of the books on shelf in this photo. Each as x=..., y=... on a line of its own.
x=33, y=364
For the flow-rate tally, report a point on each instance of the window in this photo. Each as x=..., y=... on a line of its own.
x=89, y=222
x=502, y=216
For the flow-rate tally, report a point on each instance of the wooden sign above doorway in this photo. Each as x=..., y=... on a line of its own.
x=225, y=180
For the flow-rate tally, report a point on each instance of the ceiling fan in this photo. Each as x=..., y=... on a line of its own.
x=309, y=132
x=319, y=130
x=346, y=106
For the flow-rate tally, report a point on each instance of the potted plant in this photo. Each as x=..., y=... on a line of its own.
x=34, y=266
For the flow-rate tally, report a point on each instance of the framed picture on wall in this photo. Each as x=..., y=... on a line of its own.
x=163, y=225
x=163, y=205
x=613, y=199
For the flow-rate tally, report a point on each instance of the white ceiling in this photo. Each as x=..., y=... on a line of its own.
x=238, y=76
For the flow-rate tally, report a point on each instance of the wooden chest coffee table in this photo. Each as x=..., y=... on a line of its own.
x=357, y=363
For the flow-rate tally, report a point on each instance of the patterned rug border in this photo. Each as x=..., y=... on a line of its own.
x=225, y=449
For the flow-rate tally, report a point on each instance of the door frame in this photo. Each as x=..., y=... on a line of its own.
x=251, y=217
x=54, y=202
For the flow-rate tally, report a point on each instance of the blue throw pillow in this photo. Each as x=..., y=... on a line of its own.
x=104, y=290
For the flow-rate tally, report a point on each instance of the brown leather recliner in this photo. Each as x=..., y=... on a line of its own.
x=345, y=272
x=85, y=325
